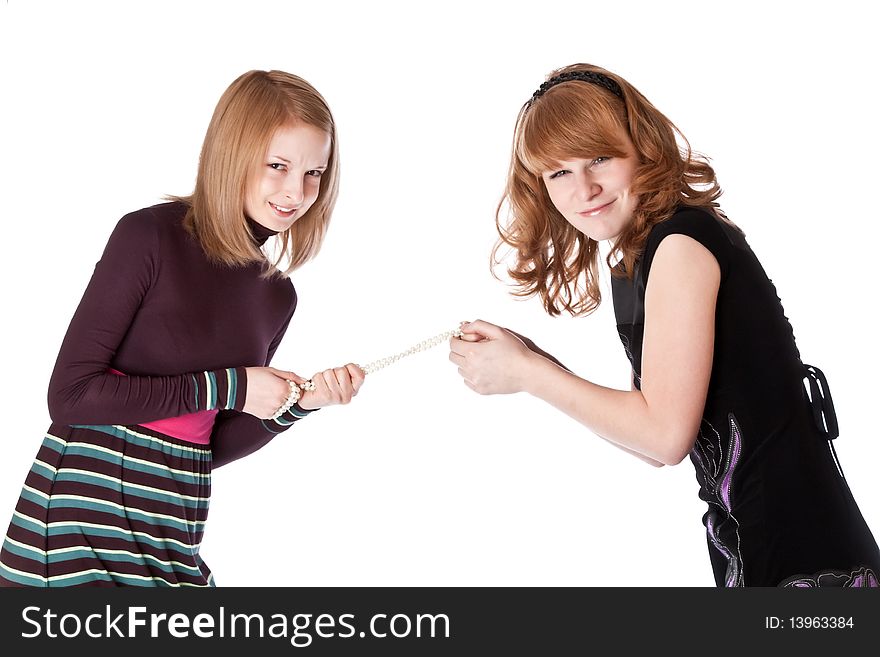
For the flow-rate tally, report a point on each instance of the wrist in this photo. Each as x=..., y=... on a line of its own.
x=294, y=414
x=222, y=389
x=535, y=373
x=306, y=404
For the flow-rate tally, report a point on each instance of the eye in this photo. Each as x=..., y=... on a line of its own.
x=278, y=166
x=601, y=159
x=315, y=173
x=557, y=174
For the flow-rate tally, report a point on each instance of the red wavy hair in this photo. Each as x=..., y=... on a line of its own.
x=578, y=119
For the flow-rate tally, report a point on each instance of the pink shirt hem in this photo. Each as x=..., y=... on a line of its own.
x=192, y=427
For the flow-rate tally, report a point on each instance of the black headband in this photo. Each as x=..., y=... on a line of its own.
x=585, y=76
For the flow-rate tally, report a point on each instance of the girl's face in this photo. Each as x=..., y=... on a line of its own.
x=287, y=182
x=594, y=194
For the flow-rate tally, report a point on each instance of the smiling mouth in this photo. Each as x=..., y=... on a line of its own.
x=282, y=210
x=592, y=212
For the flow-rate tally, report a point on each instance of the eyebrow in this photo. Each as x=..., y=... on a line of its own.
x=286, y=161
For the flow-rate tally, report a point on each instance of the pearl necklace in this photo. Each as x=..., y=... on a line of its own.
x=424, y=345
x=369, y=368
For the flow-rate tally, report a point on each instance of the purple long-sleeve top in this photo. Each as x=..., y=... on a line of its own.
x=159, y=311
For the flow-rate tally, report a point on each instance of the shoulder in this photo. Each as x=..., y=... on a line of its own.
x=698, y=224
x=146, y=225
x=684, y=262
x=135, y=243
x=140, y=237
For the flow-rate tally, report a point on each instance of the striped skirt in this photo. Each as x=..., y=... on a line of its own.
x=110, y=506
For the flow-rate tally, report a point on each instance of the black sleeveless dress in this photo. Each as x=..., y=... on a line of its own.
x=779, y=509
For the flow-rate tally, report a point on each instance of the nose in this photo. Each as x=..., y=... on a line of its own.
x=587, y=188
x=293, y=190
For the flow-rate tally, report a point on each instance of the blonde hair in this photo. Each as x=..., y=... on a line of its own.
x=247, y=116
x=577, y=119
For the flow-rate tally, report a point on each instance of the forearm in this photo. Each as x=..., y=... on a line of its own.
x=80, y=395
x=533, y=347
x=237, y=435
x=621, y=417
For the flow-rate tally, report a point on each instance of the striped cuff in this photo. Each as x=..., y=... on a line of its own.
x=220, y=389
x=286, y=420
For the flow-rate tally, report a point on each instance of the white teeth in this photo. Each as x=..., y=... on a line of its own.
x=280, y=209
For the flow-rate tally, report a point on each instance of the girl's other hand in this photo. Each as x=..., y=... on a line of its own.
x=334, y=386
x=491, y=359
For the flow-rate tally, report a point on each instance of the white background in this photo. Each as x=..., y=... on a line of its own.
x=420, y=481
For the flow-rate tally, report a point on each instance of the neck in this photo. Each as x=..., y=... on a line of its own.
x=260, y=232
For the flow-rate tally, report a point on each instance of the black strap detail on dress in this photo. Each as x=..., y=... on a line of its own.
x=820, y=400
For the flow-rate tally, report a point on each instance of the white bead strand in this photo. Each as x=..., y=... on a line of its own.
x=376, y=365
x=292, y=397
x=369, y=368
